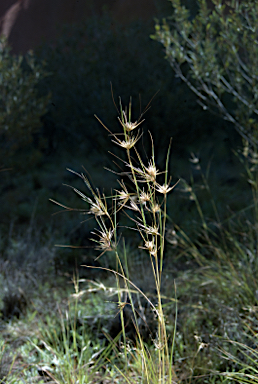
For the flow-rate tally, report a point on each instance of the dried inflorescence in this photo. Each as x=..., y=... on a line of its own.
x=143, y=198
x=144, y=202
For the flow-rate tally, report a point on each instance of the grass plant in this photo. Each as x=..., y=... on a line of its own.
x=53, y=345
x=65, y=350
x=222, y=262
x=142, y=197
x=201, y=329
x=247, y=363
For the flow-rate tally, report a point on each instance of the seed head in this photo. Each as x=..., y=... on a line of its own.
x=105, y=240
x=146, y=174
x=151, y=172
x=164, y=189
x=128, y=143
x=149, y=230
x=123, y=195
x=144, y=197
x=98, y=208
x=171, y=237
x=155, y=208
x=133, y=206
x=128, y=125
x=150, y=246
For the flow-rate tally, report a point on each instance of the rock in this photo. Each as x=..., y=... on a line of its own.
x=27, y=23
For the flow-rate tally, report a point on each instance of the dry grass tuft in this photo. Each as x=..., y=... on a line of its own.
x=142, y=197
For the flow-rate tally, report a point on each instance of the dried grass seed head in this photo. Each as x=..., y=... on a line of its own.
x=164, y=189
x=155, y=208
x=128, y=143
x=150, y=246
x=128, y=125
x=133, y=206
x=144, y=197
x=148, y=229
x=146, y=174
x=105, y=239
x=151, y=172
x=171, y=237
x=122, y=196
x=98, y=208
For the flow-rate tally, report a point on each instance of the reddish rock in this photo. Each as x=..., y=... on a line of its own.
x=27, y=23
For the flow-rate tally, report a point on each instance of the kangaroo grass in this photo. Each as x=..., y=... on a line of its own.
x=142, y=197
x=223, y=282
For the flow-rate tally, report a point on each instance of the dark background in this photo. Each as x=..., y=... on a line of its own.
x=84, y=48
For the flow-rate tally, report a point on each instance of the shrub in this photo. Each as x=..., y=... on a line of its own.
x=21, y=107
x=216, y=55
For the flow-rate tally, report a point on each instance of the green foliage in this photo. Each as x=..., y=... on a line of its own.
x=52, y=343
x=218, y=293
x=216, y=55
x=21, y=107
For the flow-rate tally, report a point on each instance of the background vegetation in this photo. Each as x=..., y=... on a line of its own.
x=47, y=112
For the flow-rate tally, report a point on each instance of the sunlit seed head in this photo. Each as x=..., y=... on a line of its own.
x=144, y=197
x=129, y=126
x=149, y=230
x=108, y=235
x=128, y=143
x=152, y=230
x=122, y=195
x=159, y=345
x=155, y=208
x=154, y=253
x=96, y=210
x=105, y=240
x=146, y=174
x=164, y=189
x=152, y=172
x=134, y=206
x=149, y=245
